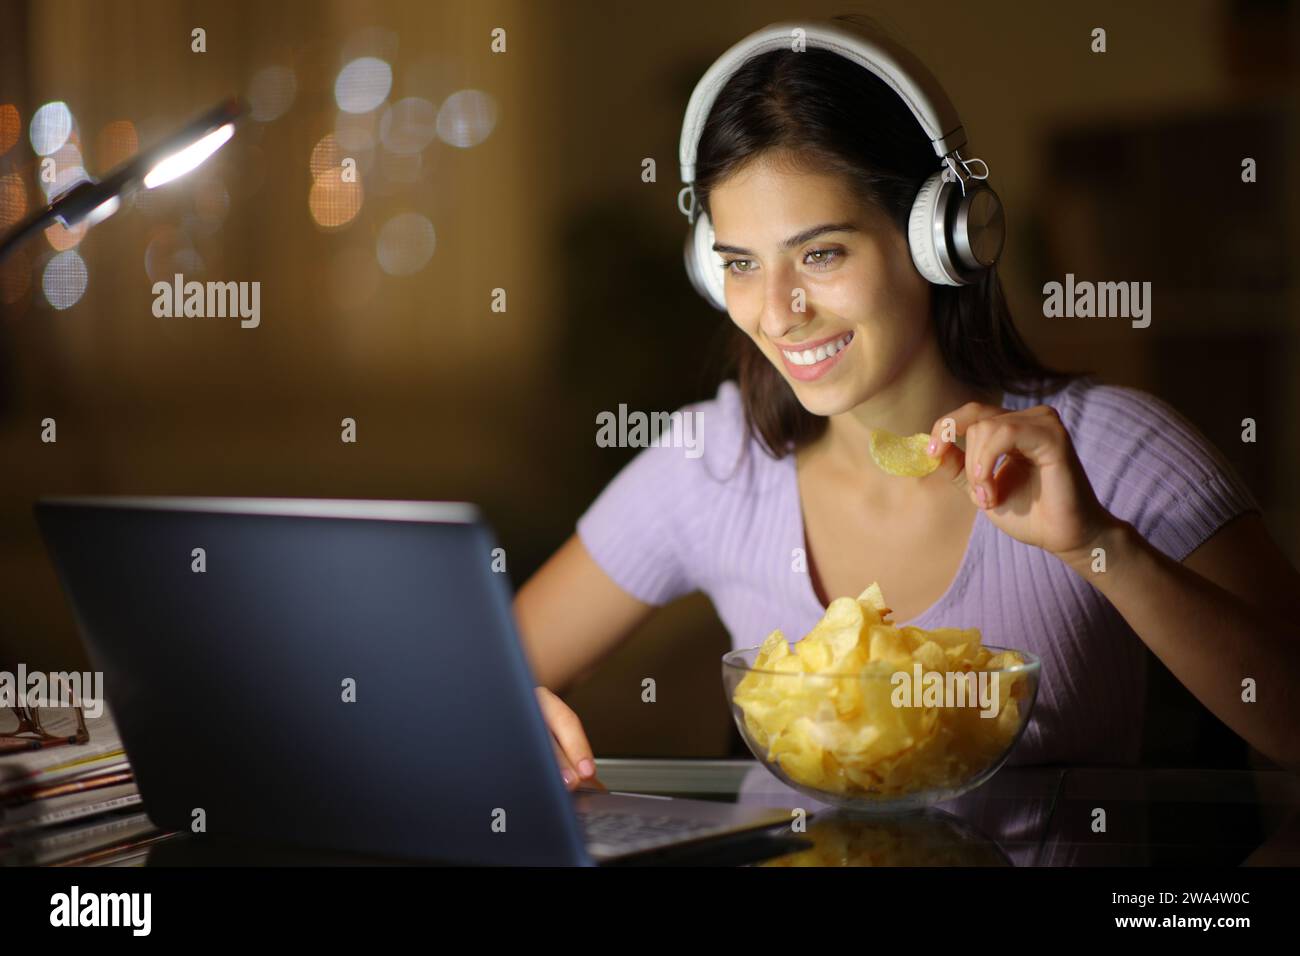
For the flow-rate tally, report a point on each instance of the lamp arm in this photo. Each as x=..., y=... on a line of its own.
x=88, y=196
x=69, y=209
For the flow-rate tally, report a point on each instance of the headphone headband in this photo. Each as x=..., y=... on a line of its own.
x=906, y=75
x=955, y=229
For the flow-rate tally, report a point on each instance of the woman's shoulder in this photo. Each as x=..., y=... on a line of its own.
x=1148, y=463
x=731, y=452
x=646, y=527
x=690, y=455
x=1084, y=401
x=1121, y=422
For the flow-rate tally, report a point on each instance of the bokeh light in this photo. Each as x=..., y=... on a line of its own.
x=68, y=170
x=356, y=136
x=356, y=132
x=374, y=40
x=13, y=200
x=467, y=118
x=64, y=279
x=11, y=127
x=51, y=125
x=408, y=125
x=363, y=84
x=325, y=155
x=62, y=238
x=333, y=202
x=405, y=244
x=271, y=93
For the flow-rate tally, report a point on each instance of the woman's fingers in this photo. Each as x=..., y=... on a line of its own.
x=567, y=771
x=991, y=433
x=573, y=751
x=593, y=783
x=948, y=428
x=1027, y=436
x=572, y=779
x=953, y=467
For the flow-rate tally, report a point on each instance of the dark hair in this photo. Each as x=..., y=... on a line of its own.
x=810, y=108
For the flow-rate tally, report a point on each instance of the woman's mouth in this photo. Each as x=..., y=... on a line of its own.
x=812, y=363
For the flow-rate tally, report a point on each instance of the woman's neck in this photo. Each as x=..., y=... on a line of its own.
x=908, y=405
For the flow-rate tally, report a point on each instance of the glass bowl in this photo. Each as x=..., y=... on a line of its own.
x=861, y=743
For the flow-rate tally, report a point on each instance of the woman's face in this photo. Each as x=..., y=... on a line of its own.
x=857, y=279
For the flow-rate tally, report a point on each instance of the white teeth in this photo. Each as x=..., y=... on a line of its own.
x=820, y=354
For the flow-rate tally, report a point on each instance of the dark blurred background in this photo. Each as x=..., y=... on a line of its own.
x=522, y=171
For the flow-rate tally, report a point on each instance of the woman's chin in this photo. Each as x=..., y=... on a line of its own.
x=824, y=400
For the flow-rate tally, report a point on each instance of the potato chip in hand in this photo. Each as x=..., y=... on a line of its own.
x=902, y=456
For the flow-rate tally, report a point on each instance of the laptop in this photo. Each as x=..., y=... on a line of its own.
x=338, y=674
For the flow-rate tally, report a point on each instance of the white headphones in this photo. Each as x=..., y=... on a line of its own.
x=956, y=227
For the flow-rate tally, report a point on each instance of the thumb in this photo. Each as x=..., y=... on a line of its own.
x=953, y=467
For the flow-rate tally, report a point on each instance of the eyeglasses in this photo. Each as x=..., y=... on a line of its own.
x=30, y=732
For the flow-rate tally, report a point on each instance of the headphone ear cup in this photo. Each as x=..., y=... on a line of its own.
x=978, y=229
x=923, y=232
x=702, y=263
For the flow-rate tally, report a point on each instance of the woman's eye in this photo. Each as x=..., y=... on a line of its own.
x=829, y=256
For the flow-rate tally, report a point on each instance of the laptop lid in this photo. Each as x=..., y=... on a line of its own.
x=333, y=673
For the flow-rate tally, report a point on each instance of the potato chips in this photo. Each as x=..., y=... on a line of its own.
x=902, y=456
x=825, y=709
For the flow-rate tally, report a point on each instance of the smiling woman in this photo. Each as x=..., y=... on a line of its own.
x=1071, y=505
x=777, y=153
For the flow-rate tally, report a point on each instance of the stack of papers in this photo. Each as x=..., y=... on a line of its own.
x=69, y=803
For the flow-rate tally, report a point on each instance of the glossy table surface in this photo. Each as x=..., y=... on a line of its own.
x=1023, y=816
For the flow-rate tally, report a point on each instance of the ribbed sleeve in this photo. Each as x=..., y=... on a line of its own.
x=1151, y=467
x=633, y=530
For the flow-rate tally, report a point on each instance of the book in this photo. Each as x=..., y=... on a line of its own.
x=51, y=811
x=44, y=846
x=25, y=770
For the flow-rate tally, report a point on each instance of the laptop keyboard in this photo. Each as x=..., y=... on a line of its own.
x=609, y=834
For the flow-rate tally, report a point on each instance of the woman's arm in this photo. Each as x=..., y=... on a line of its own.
x=1230, y=611
x=1226, y=615
x=571, y=614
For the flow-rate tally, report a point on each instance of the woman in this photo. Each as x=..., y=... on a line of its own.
x=807, y=167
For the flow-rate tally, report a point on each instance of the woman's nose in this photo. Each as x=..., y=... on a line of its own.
x=785, y=305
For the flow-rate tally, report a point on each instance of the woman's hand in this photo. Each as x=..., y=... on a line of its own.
x=572, y=751
x=1040, y=494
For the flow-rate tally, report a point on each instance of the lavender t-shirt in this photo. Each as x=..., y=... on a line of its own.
x=677, y=520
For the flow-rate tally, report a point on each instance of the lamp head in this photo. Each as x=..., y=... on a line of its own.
x=93, y=202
